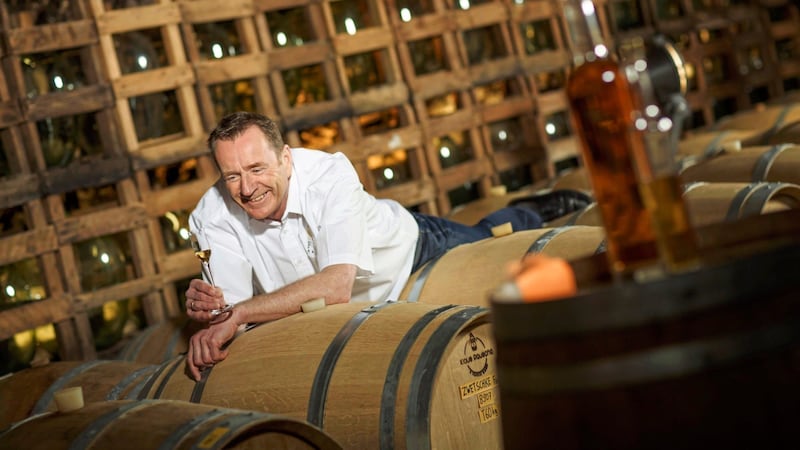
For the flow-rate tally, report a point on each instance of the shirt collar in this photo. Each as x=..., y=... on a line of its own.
x=293, y=199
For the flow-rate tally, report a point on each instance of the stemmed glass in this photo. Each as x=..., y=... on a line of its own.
x=204, y=255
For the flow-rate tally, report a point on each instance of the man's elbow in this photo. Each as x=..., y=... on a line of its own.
x=339, y=294
x=342, y=278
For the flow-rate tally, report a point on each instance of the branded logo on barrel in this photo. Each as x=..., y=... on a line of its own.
x=476, y=356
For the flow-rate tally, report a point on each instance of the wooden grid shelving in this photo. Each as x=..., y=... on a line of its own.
x=433, y=101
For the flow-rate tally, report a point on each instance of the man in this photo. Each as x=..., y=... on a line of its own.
x=287, y=225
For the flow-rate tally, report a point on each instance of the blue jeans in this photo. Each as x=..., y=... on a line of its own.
x=438, y=235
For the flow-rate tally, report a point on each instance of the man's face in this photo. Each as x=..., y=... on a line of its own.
x=256, y=178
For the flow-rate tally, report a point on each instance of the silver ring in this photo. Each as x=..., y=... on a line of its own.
x=192, y=305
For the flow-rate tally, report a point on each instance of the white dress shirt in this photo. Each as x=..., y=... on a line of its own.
x=329, y=219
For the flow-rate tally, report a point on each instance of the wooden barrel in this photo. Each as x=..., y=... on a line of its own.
x=704, y=144
x=470, y=213
x=160, y=342
x=163, y=424
x=788, y=134
x=589, y=215
x=706, y=359
x=759, y=126
x=30, y=391
x=714, y=202
x=725, y=202
x=576, y=179
x=390, y=375
x=766, y=119
x=780, y=163
x=465, y=275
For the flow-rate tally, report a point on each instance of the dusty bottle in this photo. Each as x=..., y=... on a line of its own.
x=604, y=108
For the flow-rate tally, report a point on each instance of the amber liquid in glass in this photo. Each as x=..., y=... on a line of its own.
x=604, y=108
x=203, y=255
x=674, y=234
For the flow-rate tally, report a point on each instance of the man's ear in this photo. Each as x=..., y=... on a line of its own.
x=286, y=157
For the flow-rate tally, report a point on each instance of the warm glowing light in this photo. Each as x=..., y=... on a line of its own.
x=405, y=15
x=281, y=38
x=588, y=7
x=350, y=26
x=24, y=339
x=37, y=292
x=550, y=129
x=445, y=151
x=184, y=234
x=111, y=310
x=45, y=333
x=173, y=220
x=216, y=51
x=388, y=173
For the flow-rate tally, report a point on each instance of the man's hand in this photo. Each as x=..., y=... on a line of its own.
x=201, y=299
x=206, y=346
x=334, y=284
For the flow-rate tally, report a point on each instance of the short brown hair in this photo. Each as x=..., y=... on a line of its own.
x=235, y=124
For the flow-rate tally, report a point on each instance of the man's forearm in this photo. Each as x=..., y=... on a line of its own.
x=334, y=283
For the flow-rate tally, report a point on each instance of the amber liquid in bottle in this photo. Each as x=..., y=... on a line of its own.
x=604, y=108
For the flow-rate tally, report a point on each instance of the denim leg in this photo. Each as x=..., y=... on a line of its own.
x=520, y=218
x=438, y=235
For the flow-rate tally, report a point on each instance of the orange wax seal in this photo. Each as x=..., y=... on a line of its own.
x=540, y=278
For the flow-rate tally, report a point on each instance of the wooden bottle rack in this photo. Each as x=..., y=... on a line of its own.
x=497, y=66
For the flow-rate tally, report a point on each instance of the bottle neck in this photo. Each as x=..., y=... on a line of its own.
x=584, y=30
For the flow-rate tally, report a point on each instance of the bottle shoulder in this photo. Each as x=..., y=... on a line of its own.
x=596, y=76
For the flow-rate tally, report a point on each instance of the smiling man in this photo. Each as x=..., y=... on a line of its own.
x=288, y=225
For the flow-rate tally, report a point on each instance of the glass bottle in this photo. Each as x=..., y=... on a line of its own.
x=604, y=107
x=629, y=149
